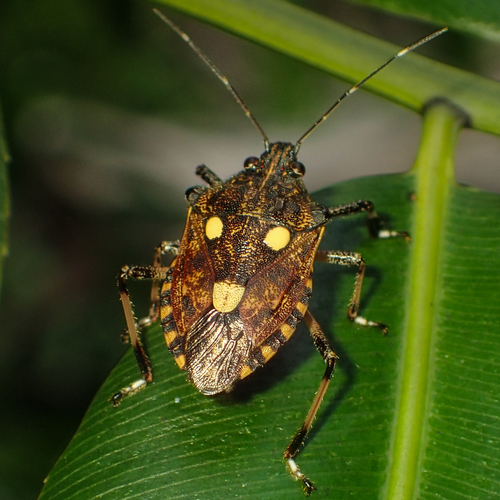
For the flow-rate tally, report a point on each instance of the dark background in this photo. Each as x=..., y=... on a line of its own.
x=107, y=113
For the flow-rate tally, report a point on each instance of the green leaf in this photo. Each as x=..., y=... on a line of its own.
x=4, y=198
x=411, y=414
x=230, y=446
x=480, y=17
x=415, y=411
x=412, y=81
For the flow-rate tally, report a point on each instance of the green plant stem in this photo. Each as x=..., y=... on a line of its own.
x=412, y=81
x=434, y=178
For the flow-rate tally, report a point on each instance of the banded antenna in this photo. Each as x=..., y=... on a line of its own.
x=217, y=72
x=353, y=89
x=249, y=114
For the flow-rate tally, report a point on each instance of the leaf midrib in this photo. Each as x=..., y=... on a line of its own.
x=434, y=178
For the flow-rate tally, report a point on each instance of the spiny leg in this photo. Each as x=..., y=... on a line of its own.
x=375, y=223
x=133, y=332
x=324, y=348
x=351, y=259
x=321, y=342
x=154, y=305
x=193, y=193
x=208, y=176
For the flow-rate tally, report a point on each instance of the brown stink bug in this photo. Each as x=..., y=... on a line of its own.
x=240, y=280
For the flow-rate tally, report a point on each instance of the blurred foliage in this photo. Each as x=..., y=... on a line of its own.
x=479, y=17
x=76, y=76
x=4, y=198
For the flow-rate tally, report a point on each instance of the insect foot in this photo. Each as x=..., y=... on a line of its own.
x=117, y=397
x=308, y=486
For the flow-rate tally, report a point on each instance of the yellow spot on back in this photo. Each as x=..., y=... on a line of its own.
x=277, y=238
x=213, y=228
x=226, y=296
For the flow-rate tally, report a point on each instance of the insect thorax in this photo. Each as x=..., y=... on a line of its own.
x=268, y=190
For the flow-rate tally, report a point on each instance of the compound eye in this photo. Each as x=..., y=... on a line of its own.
x=297, y=168
x=193, y=193
x=251, y=163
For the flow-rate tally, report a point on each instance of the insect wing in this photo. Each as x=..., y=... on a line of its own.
x=219, y=347
x=272, y=295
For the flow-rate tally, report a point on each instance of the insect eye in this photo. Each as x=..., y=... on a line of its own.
x=251, y=163
x=297, y=168
x=193, y=193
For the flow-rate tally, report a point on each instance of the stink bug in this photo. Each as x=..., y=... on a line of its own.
x=240, y=281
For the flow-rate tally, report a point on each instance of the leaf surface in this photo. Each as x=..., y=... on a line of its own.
x=414, y=414
x=482, y=18
x=169, y=441
x=411, y=81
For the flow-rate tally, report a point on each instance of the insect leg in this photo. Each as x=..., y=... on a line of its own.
x=136, y=272
x=375, y=224
x=328, y=354
x=154, y=307
x=208, y=176
x=351, y=259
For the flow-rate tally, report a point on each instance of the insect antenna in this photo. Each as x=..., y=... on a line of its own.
x=364, y=80
x=217, y=73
